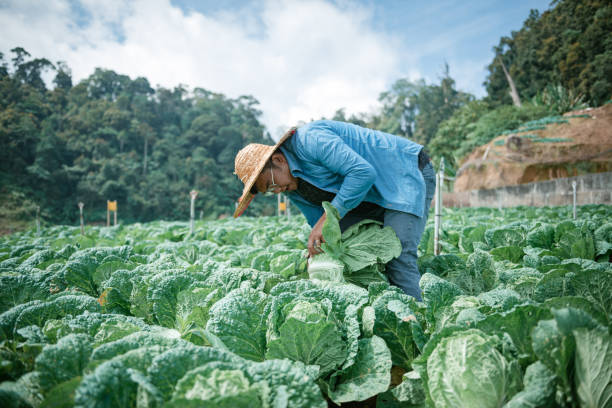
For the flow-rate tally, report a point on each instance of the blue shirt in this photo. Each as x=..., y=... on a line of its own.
x=356, y=164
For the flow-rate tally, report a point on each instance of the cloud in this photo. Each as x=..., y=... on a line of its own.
x=300, y=59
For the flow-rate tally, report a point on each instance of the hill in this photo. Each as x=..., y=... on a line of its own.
x=576, y=143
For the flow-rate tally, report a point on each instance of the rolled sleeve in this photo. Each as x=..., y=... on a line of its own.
x=359, y=175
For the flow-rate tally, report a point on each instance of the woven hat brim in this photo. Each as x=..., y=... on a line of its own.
x=246, y=197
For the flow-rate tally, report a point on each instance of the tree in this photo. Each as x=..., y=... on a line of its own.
x=106, y=84
x=113, y=137
x=516, y=100
x=567, y=45
x=398, y=108
x=415, y=110
x=436, y=103
x=3, y=67
x=29, y=72
x=453, y=132
x=63, y=76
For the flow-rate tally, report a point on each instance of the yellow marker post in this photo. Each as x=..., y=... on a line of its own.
x=111, y=206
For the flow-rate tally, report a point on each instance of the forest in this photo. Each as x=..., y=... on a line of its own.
x=112, y=137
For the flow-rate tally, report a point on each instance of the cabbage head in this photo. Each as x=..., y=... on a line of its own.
x=357, y=255
x=326, y=267
x=310, y=334
x=466, y=370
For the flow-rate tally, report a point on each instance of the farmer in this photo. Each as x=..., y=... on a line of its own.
x=364, y=173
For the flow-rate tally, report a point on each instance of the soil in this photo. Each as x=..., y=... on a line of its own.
x=518, y=160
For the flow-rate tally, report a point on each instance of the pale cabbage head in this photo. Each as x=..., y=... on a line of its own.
x=325, y=267
x=466, y=370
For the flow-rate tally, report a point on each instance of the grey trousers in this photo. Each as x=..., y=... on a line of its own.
x=403, y=270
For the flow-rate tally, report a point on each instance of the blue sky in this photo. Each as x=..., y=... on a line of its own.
x=302, y=59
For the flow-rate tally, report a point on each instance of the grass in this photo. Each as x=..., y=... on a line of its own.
x=552, y=140
x=536, y=139
x=539, y=124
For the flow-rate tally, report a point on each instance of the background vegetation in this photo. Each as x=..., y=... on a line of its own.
x=559, y=61
x=113, y=137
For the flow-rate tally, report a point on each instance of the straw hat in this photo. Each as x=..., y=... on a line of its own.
x=248, y=165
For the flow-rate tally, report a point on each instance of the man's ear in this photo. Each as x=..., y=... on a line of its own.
x=278, y=159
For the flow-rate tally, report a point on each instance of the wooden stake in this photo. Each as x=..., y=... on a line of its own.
x=38, y=220
x=144, y=165
x=437, y=216
x=107, y=213
x=574, y=194
x=81, y=213
x=441, y=173
x=438, y=207
x=484, y=156
x=193, y=194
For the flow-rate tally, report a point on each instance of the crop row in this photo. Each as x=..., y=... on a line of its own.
x=516, y=312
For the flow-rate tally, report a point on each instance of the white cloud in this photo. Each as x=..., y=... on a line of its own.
x=300, y=59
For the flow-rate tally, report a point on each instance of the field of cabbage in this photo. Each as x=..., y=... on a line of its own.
x=516, y=312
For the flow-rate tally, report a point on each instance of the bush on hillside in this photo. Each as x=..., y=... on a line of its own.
x=496, y=121
x=559, y=99
x=476, y=124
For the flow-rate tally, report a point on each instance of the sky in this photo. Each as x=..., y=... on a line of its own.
x=301, y=59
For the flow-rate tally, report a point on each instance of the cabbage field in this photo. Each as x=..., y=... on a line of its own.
x=516, y=312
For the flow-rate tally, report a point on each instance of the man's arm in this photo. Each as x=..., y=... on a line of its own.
x=359, y=175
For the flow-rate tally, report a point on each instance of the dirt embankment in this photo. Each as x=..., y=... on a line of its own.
x=583, y=145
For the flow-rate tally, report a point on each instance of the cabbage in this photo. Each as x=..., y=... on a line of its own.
x=593, y=367
x=466, y=370
x=326, y=267
x=358, y=255
x=309, y=334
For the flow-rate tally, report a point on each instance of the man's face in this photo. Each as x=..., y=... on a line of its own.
x=278, y=178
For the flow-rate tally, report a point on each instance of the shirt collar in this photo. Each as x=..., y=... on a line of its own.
x=294, y=165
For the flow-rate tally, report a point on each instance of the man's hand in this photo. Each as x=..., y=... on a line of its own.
x=316, y=238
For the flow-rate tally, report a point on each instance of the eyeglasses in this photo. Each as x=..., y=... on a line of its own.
x=270, y=190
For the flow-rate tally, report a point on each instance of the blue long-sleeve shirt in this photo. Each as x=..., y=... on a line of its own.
x=356, y=164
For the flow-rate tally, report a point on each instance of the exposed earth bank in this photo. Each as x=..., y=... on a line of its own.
x=583, y=145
